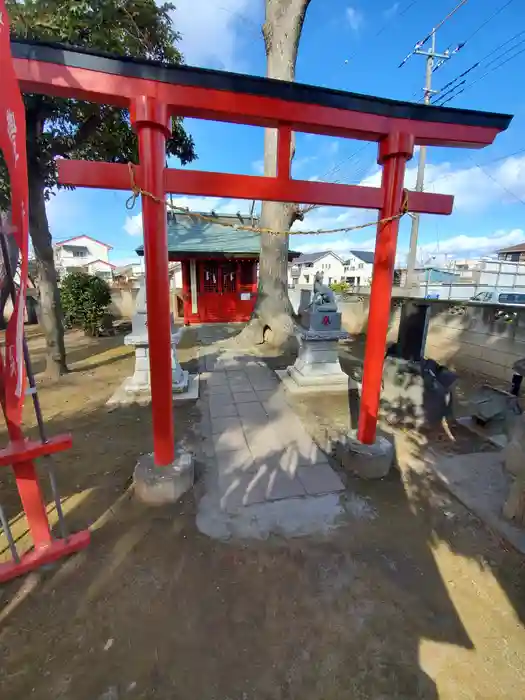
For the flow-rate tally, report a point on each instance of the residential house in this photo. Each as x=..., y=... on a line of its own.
x=515, y=253
x=83, y=253
x=306, y=266
x=358, y=268
x=128, y=274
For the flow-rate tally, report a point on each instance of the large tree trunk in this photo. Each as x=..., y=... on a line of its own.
x=272, y=319
x=50, y=309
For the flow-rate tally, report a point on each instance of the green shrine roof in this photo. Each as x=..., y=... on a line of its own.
x=188, y=234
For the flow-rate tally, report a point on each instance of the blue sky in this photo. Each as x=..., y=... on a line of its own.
x=354, y=45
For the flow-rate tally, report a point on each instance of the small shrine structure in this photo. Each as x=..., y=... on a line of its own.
x=219, y=265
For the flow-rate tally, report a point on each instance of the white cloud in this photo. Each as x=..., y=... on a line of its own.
x=213, y=30
x=355, y=18
x=133, y=225
x=475, y=246
x=391, y=11
x=474, y=189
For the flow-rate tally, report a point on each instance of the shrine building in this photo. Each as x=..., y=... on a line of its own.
x=219, y=265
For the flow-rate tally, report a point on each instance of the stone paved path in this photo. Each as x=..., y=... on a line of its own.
x=256, y=447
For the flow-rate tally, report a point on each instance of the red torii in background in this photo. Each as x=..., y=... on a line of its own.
x=154, y=93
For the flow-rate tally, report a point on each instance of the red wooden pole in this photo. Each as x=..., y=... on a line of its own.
x=151, y=121
x=394, y=151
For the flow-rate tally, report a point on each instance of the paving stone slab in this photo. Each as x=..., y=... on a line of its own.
x=281, y=485
x=229, y=440
x=263, y=441
x=215, y=390
x=239, y=490
x=319, y=479
x=217, y=379
x=252, y=414
x=223, y=410
x=244, y=396
x=235, y=461
x=219, y=425
x=264, y=383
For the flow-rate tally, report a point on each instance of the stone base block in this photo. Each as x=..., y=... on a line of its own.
x=157, y=486
x=367, y=461
x=129, y=393
x=320, y=385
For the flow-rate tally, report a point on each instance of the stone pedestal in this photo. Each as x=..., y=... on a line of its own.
x=317, y=366
x=141, y=381
x=137, y=388
x=367, y=461
x=157, y=486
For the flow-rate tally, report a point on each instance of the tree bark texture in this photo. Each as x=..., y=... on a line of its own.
x=50, y=308
x=272, y=320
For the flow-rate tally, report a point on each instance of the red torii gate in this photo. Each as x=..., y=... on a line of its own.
x=154, y=92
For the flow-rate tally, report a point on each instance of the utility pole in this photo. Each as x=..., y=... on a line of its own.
x=431, y=55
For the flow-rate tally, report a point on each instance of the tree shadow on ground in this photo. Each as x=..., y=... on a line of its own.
x=156, y=608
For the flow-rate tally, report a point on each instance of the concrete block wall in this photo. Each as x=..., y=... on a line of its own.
x=468, y=337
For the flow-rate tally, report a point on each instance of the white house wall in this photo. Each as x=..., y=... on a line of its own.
x=331, y=267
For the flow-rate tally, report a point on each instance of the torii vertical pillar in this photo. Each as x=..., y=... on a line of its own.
x=151, y=121
x=394, y=151
x=164, y=476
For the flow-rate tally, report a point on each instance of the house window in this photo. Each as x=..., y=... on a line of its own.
x=79, y=254
x=307, y=279
x=360, y=266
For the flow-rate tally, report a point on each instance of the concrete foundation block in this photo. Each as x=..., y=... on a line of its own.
x=367, y=461
x=157, y=486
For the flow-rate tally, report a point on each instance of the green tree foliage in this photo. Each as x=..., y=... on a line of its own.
x=85, y=299
x=340, y=287
x=65, y=128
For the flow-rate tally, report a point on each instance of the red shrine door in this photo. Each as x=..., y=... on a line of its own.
x=227, y=290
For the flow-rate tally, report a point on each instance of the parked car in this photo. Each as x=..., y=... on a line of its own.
x=498, y=296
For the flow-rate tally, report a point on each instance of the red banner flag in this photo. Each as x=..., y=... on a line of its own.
x=13, y=146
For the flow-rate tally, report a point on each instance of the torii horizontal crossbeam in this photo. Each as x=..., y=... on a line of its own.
x=208, y=94
x=79, y=173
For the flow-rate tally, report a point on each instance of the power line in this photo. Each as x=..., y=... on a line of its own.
x=487, y=21
x=503, y=187
x=448, y=175
x=469, y=86
x=419, y=45
x=484, y=59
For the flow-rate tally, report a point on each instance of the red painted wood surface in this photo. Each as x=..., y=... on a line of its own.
x=393, y=155
x=220, y=105
x=54, y=550
x=150, y=120
x=219, y=301
x=78, y=173
x=24, y=450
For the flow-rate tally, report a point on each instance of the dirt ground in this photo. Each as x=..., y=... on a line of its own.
x=410, y=598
